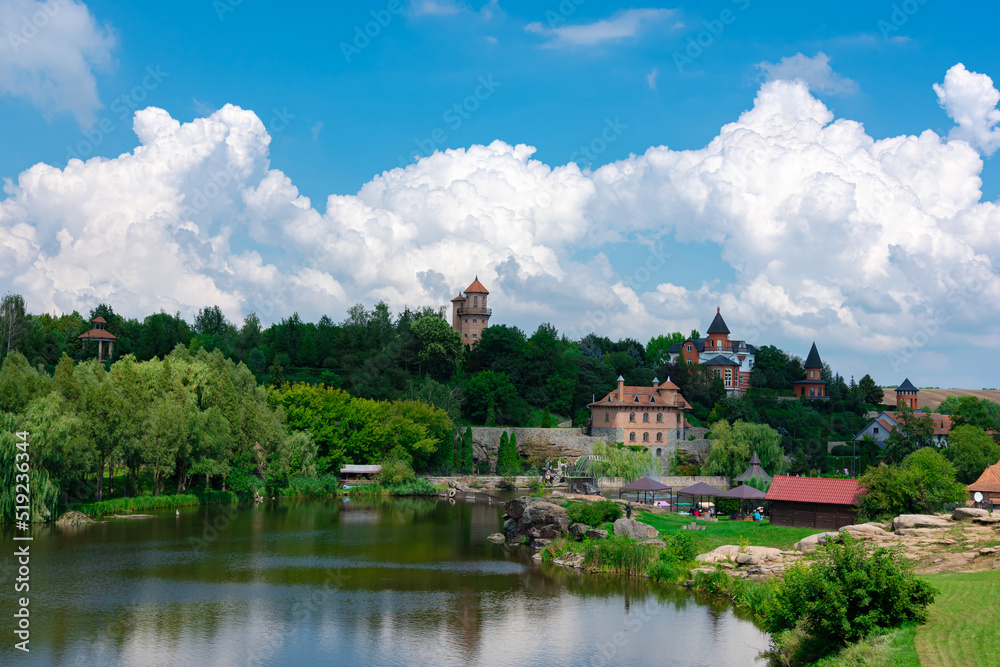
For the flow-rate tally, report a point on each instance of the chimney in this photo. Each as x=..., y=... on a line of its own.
x=656, y=383
x=621, y=388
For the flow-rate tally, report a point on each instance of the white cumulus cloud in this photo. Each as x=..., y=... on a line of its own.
x=970, y=99
x=49, y=52
x=815, y=71
x=623, y=25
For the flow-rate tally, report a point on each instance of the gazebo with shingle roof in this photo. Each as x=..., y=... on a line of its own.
x=100, y=334
x=755, y=471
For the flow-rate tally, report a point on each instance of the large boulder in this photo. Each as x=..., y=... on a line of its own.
x=919, y=521
x=534, y=520
x=597, y=534
x=865, y=531
x=742, y=555
x=968, y=513
x=634, y=529
x=74, y=518
x=578, y=530
x=514, y=508
x=808, y=544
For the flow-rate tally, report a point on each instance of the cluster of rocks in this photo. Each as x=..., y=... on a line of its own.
x=533, y=521
x=747, y=562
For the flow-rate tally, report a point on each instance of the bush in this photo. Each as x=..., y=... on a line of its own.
x=848, y=594
x=394, y=471
x=310, y=486
x=921, y=483
x=594, y=514
x=680, y=547
x=620, y=555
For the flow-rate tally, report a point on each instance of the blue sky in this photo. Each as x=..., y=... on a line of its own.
x=857, y=230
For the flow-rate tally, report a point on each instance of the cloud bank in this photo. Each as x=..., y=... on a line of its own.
x=833, y=234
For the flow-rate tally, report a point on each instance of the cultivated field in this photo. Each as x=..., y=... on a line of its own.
x=931, y=398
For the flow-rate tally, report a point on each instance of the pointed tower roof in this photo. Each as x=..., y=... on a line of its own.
x=754, y=471
x=906, y=386
x=813, y=360
x=718, y=325
x=476, y=287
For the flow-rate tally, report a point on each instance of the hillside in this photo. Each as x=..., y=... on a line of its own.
x=932, y=398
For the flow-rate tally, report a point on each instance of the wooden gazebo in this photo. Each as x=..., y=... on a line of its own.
x=100, y=334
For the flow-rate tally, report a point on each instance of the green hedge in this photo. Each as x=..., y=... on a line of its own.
x=140, y=503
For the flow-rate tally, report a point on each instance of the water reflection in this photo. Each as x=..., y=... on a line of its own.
x=374, y=582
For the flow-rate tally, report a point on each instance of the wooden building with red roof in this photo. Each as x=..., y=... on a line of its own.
x=988, y=484
x=813, y=502
x=105, y=339
x=650, y=416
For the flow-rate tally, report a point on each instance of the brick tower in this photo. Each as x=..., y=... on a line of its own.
x=469, y=314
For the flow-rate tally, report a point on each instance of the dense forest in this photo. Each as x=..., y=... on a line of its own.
x=211, y=404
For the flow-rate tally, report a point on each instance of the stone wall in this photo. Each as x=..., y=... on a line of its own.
x=533, y=444
x=674, y=482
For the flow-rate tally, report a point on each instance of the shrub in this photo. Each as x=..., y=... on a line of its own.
x=680, y=547
x=921, y=483
x=849, y=593
x=594, y=514
x=310, y=486
x=620, y=555
x=394, y=471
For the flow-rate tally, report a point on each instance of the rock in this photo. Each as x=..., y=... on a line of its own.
x=918, y=521
x=808, y=544
x=597, y=534
x=865, y=531
x=726, y=565
x=986, y=551
x=917, y=532
x=578, y=530
x=537, y=557
x=731, y=552
x=496, y=538
x=747, y=559
x=74, y=518
x=968, y=513
x=459, y=486
x=660, y=544
x=540, y=543
x=514, y=508
x=634, y=529
x=986, y=520
x=570, y=559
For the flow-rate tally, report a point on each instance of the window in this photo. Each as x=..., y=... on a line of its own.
x=689, y=362
x=875, y=430
x=466, y=335
x=812, y=391
x=607, y=416
x=659, y=417
x=659, y=437
x=631, y=417
x=635, y=399
x=652, y=398
x=466, y=320
x=645, y=437
x=475, y=302
x=474, y=321
x=645, y=416
x=631, y=436
x=729, y=377
x=690, y=347
x=659, y=452
x=473, y=335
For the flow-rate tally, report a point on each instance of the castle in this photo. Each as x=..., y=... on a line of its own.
x=469, y=314
x=731, y=360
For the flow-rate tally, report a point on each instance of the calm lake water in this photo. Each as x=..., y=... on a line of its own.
x=393, y=582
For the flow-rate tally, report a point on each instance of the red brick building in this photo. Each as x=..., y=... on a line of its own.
x=469, y=314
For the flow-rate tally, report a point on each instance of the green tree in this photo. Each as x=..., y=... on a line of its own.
x=732, y=447
x=12, y=328
x=658, y=348
x=439, y=346
x=467, y=462
x=871, y=393
x=546, y=418
x=913, y=431
x=921, y=483
x=970, y=450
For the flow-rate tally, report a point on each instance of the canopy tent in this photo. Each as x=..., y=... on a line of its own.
x=645, y=485
x=699, y=489
x=745, y=493
x=754, y=471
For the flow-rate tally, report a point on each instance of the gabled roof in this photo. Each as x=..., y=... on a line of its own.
x=720, y=360
x=642, y=395
x=906, y=386
x=989, y=481
x=718, y=325
x=99, y=320
x=815, y=490
x=476, y=287
x=813, y=360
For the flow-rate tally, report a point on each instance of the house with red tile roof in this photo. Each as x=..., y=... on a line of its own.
x=730, y=360
x=988, y=484
x=469, y=314
x=813, y=502
x=650, y=416
x=885, y=423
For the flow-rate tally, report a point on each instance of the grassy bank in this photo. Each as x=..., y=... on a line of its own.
x=961, y=628
x=724, y=531
x=413, y=487
x=141, y=503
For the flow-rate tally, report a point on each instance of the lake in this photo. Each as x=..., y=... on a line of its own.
x=381, y=582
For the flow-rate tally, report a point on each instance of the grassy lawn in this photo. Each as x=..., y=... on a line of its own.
x=961, y=629
x=894, y=649
x=724, y=531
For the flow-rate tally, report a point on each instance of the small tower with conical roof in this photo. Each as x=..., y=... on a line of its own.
x=906, y=394
x=469, y=314
x=718, y=334
x=813, y=386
